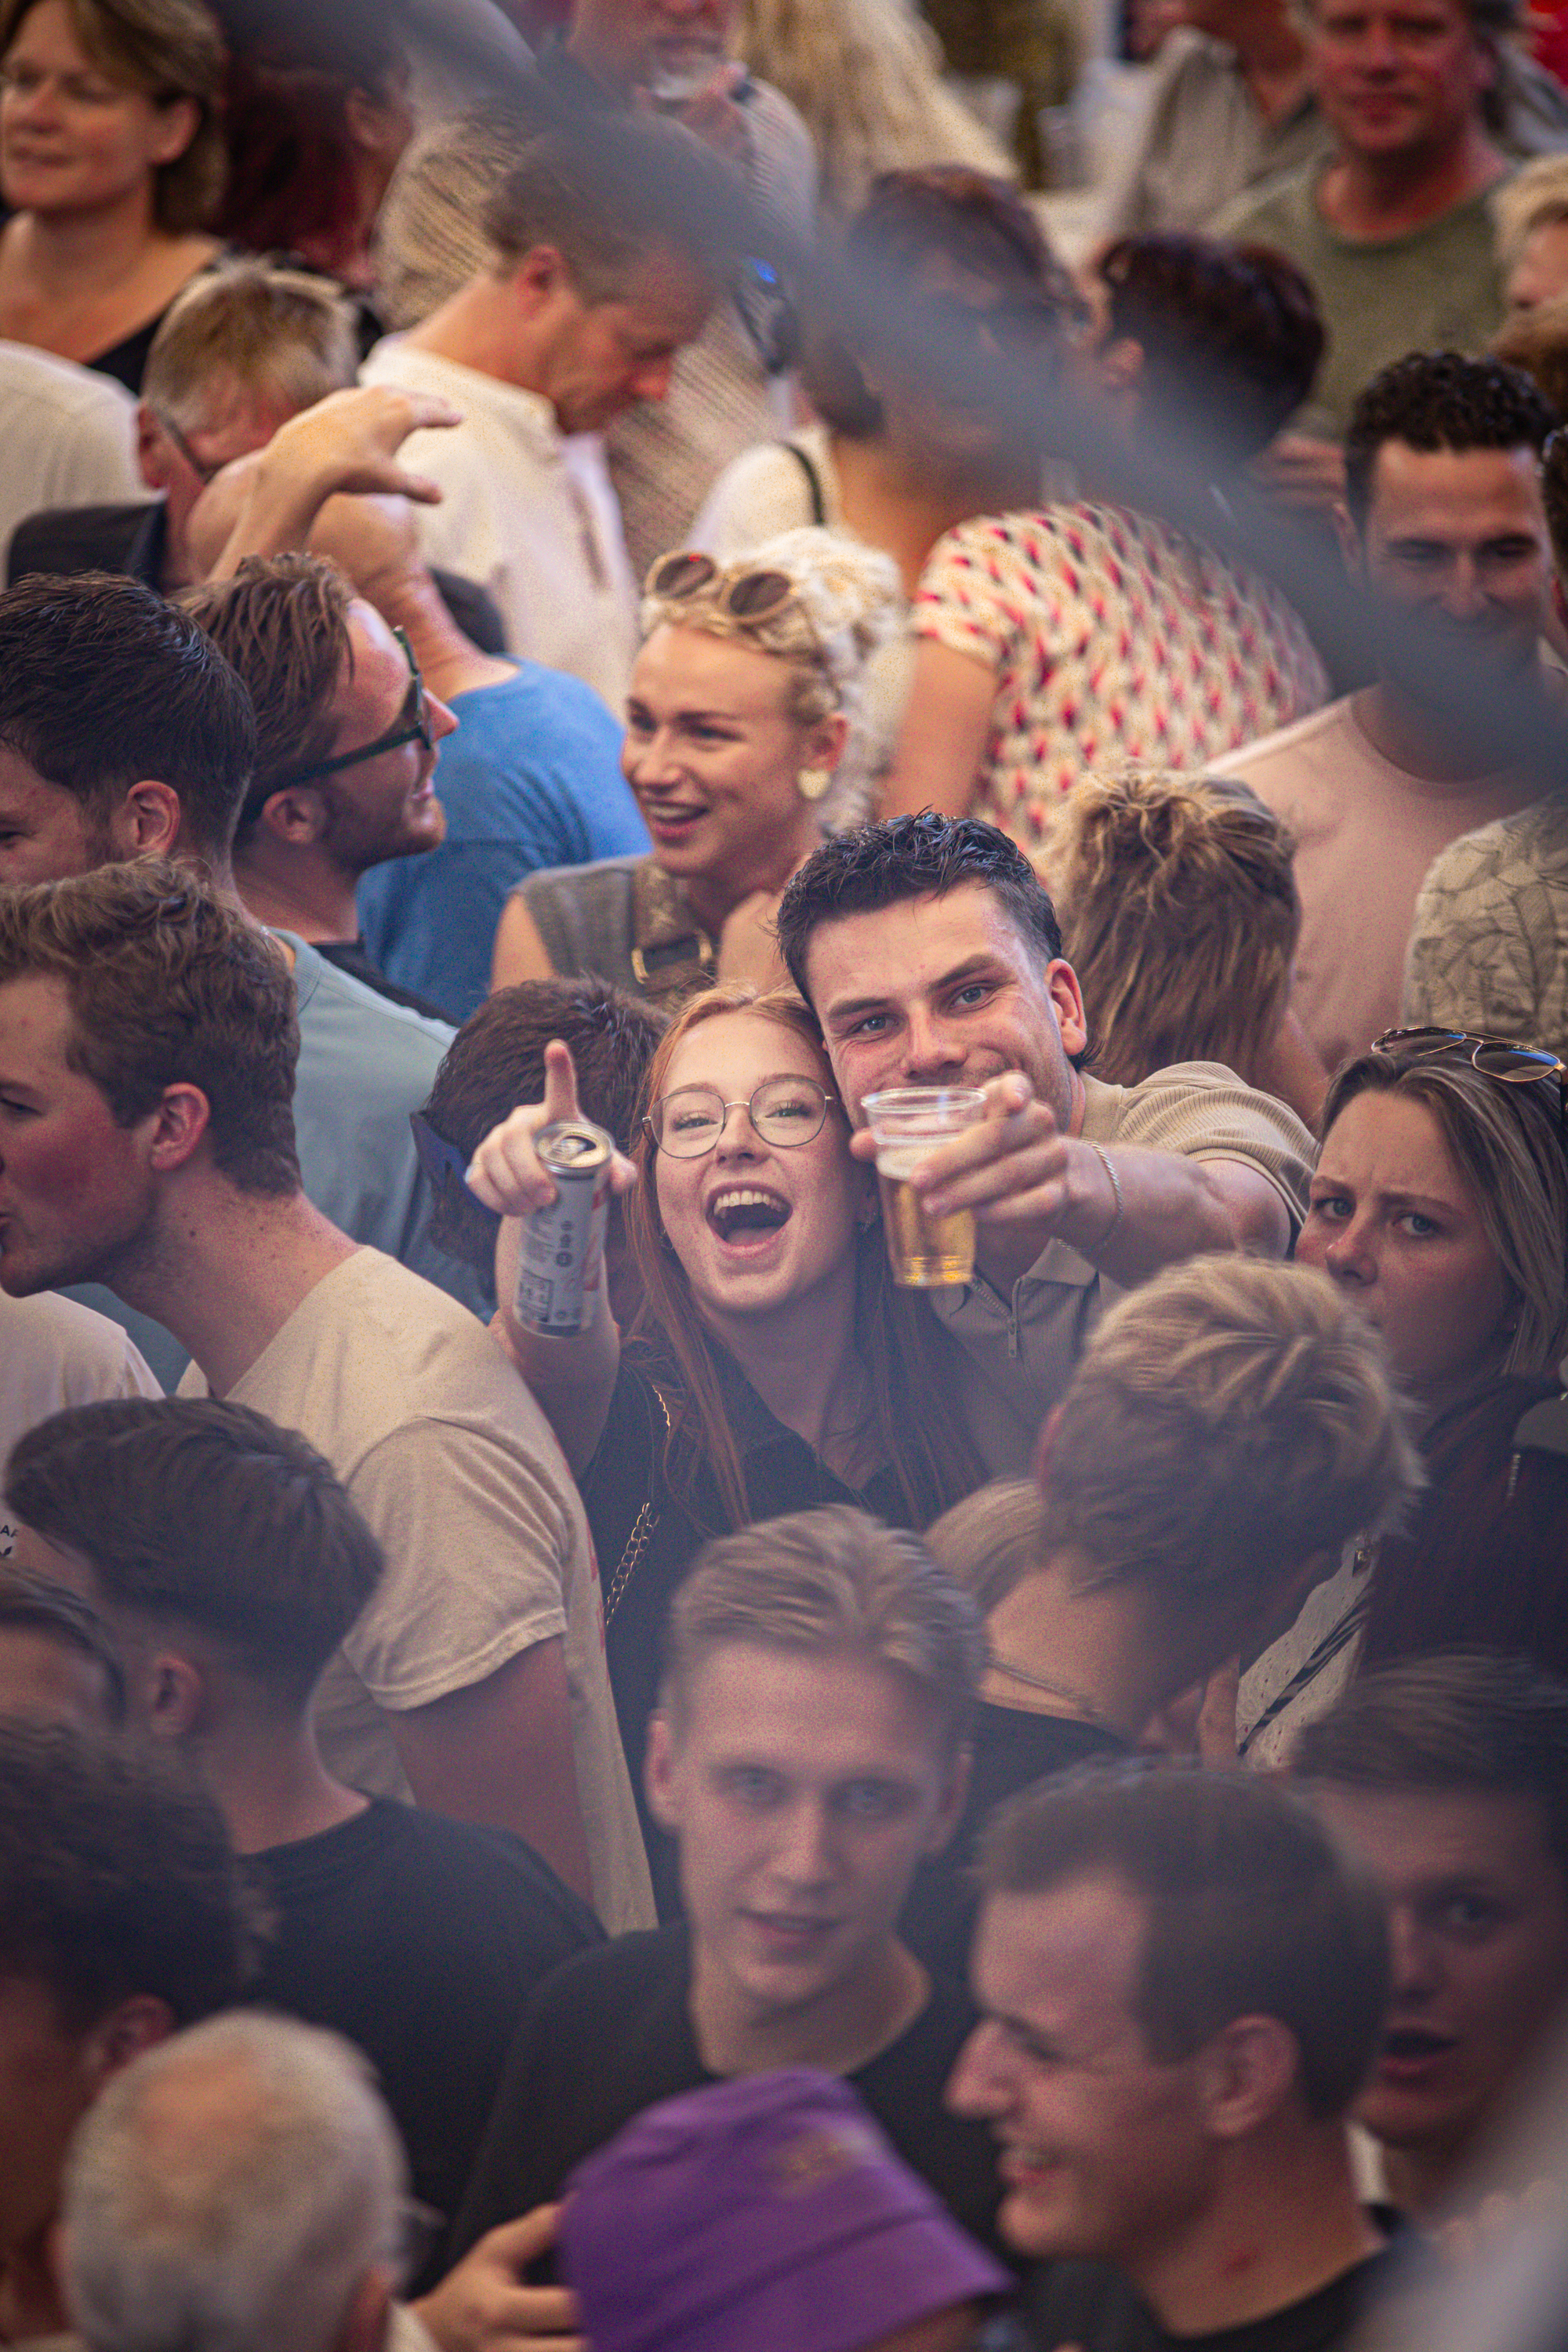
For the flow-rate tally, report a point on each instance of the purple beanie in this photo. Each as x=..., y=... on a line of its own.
x=769, y=2213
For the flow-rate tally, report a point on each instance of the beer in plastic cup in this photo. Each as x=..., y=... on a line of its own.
x=926, y=1253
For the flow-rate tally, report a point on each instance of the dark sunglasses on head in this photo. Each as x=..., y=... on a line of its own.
x=744, y=595
x=412, y=726
x=445, y=1169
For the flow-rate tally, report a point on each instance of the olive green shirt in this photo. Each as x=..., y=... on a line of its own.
x=1435, y=288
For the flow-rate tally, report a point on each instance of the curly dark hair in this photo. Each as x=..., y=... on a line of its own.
x=923, y=856
x=116, y=1877
x=1440, y=400
x=1226, y=331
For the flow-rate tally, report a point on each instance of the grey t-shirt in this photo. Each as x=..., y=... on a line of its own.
x=1435, y=288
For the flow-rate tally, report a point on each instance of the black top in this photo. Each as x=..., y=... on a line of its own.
x=133, y=539
x=421, y=1939
x=642, y=1559
x=1013, y=1748
x=611, y=2034
x=355, y=957
x=1092, y=2306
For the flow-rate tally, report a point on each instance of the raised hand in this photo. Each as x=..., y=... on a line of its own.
x=506, y=1173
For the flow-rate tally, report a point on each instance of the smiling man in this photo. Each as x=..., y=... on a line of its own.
x=1181, y=1986
x=1448, y=1778
x=931, y=957
x=1444, y=518
x=820, y=1676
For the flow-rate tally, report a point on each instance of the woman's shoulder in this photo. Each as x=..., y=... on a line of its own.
x=770, y=487
x=583, y=915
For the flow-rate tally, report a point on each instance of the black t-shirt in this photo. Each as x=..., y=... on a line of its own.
x=611, y=2035
x=1013, y=1748
x=1092, y=2306
x=421, y=1939
x=645, y=1536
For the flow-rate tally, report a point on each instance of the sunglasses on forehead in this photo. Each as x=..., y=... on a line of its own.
x=1496, y=1057
x=744, y=595
x=412, y=726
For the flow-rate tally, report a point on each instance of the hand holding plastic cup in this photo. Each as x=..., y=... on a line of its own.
x=926, y=1253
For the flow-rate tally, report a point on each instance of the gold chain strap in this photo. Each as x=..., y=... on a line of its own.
x=638, y=1541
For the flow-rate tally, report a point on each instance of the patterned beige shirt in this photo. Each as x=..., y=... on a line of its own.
x=1489, y=951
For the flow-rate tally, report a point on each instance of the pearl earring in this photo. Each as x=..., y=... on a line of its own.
x=813, y=783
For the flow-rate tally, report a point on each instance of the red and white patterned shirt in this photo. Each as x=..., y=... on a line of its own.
x=1114, y=637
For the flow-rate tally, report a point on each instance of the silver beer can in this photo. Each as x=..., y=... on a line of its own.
x=561, y=1243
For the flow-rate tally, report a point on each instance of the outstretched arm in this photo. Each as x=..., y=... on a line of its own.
x=946, y=727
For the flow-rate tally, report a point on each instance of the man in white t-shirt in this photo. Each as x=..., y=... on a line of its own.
x=79, y=430
x=54, y=1353
x=1443, y=516
x=578, y=318
x=148, y=1030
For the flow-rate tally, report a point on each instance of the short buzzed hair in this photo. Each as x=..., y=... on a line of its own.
x=833, y=1582
x=552, y=196
x=1461, y=1723
x=278, y=333
x=200, y=1512
x=1251, y=1911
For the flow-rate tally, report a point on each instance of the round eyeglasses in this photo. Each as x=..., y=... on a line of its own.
x=784, y=1112
x=744, y=594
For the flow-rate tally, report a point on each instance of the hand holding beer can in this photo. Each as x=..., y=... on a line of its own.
x=926, y=1253
x=561, y=1261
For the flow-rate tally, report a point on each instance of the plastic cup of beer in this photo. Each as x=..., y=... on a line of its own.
x=926, y=1253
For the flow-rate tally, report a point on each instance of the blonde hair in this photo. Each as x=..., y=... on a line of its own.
x=911, y=1360
x=1508, y=1143
x=1529, y=199
x=277, y=331
x=992, y=1540
x=1226, y=1421
x=864, y=76
x=832, y=1582
x=847, y=601
x=1177, y=902
x=1537, y=341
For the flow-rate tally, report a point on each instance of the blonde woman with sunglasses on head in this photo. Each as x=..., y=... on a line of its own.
x=739, y=713
x=773, y=1365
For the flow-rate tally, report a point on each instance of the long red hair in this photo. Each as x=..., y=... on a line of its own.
x=910, y=1358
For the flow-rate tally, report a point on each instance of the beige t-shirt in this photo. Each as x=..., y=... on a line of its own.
x=1022, y=1349
x=54, y=1353
x=1366, y=834
x=487, y=1550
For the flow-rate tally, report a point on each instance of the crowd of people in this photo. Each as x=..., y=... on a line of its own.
x=819, y=1804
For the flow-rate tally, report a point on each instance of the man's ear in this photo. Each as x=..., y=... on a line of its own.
x=155, y=456
x=1067, y=998
x=540, y=274
x=296, y=817
x=1349, y=539
x=181, y=1120
x=140, y=2023
x=176, y=1695
x=660, y=1773
x=147, y=822
x=1245, y=2072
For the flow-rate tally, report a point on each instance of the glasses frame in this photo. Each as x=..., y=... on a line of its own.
x=412, y=726
x=1440, y=1041
x=744, y=1103
x=203, y=472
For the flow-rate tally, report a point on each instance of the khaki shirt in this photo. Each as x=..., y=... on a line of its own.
x=1022, y=1349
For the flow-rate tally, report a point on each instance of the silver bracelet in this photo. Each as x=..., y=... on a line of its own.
x=1105, y=1161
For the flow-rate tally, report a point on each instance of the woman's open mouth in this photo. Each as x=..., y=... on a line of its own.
x=747, y=1216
